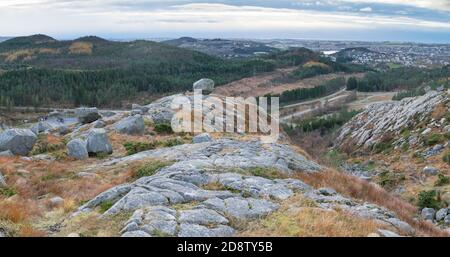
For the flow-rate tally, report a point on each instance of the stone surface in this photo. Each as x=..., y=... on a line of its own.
x=202, y=138
x=133, y=125
x=368, y=128
x=40, y=127
x=2, y=181
x=428, y=213
x=18, y=141
x=430, y=171
x=87, y=115
x=77, y=149
x=6, y=153
x=97, y=142
x=441, y=214
x=206, y=85
x=56, y=201
x=387, y=233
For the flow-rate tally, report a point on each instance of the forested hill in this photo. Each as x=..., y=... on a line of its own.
x=41, y=71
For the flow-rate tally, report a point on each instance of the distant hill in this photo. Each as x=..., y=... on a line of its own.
x=224, y=48
x=92, y=53
x=41, y=71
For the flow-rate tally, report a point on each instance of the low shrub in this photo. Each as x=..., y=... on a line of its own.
x=434, y=139
x=446, y=158
x=149, y=169
x=163, y=128
x=442, y=180
x=428, y=199
x=136, y=147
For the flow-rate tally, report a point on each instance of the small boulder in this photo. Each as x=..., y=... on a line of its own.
x=77, y=149
x=56, y=201
x=441, y=214
x=18, y=141
x=430, y=171
x=87, y=115
x=133, y=125
x=428, y=214
x=98, y=143
x=73, y=235
x=202, y=138
x=206, y=85
x=426, y=131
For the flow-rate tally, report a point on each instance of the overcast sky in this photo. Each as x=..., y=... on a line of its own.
x=397, y=20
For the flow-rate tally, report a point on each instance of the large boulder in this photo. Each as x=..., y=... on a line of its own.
x=87, y=115
x=18, y=141
x=133, y=125
x=77, y=149
x=98, y=143
x=207, y=85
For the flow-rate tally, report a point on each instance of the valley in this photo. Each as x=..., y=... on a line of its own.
x=87, y=148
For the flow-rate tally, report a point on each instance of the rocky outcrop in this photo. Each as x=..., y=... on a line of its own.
x=87, y=115
x=133, y=125
x=206, y=85
x=98, y=143
x=160, y=110
x=381, y=120
x=238, y=193
x=77, y=149
x=18, y=141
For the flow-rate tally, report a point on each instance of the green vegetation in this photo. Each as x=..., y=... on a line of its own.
x=105, y=206
x=428, y=199
x=407, y=78
x=446, y=158
x=409, y=93
x=171, y=142
x=41, y=71
x=136, y=147
x=8, y=191
x=389, y=179
x=434, y=139
x=149, y=169
x=352, y=84
x=163, y=128
x=442, y=180
x=301, y=94
x=326, y=123
x=268, y=173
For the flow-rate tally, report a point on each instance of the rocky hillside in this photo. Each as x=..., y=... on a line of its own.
x=87, y=172
x=405, y=147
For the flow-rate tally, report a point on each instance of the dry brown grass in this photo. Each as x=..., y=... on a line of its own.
x=356, y=188
x=81, y=48
x=304, y=220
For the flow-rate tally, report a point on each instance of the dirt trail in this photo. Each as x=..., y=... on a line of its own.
x=265, y=83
